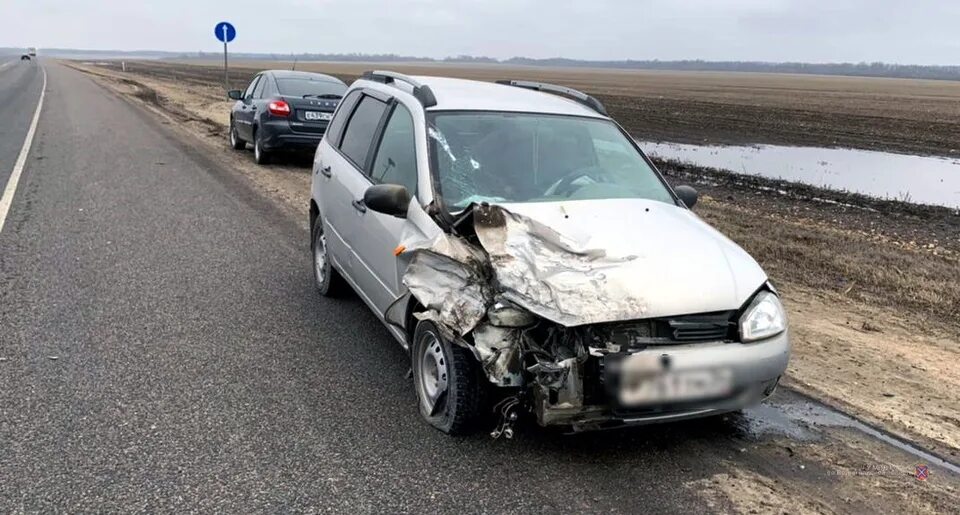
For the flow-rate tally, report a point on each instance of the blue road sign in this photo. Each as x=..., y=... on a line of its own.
x=225, y=32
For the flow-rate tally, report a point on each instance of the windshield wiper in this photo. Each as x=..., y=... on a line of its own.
x=325, y=95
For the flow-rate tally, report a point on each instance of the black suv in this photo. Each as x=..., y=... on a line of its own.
x=283, y=109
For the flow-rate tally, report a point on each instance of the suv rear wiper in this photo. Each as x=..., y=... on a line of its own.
x=325, y=95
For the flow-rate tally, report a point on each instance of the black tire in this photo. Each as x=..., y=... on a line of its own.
x=235, y=142
x=260, y=155
x=326, y=278
x=460, y=410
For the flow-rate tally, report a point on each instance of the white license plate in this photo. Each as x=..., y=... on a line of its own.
x=314, y=115
x=645, y=383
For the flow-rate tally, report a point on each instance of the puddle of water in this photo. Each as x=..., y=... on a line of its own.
x=917, y=179
x=797, y=419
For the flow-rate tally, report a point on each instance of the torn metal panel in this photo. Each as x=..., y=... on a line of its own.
x=552, y=275
x=559, y=390
x=446, y=275
x=434, y=317
x=499, y=352
x=456, y=291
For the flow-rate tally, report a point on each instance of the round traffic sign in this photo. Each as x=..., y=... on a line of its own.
x=225, y=32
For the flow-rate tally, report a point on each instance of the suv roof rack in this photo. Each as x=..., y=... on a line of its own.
x=579, y=96
x=421, y=92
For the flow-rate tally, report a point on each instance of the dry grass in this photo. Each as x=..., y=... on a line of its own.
x=858, y=265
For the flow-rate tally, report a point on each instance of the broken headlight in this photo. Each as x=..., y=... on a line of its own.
x=763, y=318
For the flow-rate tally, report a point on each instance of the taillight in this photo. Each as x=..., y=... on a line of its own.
x=279, y=108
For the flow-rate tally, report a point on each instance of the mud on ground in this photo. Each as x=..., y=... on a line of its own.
x=872, y=289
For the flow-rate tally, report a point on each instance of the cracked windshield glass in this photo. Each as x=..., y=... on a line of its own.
x=510, y=157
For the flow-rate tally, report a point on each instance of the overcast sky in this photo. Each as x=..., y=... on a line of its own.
x=917, y=31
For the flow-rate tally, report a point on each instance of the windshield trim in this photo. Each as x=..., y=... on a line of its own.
x=434, y=164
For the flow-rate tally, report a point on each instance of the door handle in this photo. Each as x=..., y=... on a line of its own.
x=326, y=171
x=359, y=206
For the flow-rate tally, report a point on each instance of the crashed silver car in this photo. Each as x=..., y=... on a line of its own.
x=534, y=263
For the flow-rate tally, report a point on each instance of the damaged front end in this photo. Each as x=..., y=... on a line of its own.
x=554, y=322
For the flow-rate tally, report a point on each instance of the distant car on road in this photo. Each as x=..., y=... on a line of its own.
x=25, y=57
x=283, y=109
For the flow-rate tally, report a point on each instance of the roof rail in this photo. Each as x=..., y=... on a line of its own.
x=579, y=96
x=421, y=92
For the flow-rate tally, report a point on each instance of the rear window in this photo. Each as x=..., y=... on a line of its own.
x=310, y=88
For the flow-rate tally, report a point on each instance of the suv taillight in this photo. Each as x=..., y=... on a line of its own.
x=279, y=108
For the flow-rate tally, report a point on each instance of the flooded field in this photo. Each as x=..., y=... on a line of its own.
x=916, y=179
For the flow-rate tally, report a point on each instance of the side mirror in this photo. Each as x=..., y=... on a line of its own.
x=688, y=195
x=235, y=94
x=389, y=199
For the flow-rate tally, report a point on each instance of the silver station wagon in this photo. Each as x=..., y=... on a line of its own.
x=533, y=261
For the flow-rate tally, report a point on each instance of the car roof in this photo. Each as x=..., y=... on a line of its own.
x=471, y=95
x=291, y=74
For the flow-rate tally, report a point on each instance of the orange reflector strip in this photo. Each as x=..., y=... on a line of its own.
x=399, y=250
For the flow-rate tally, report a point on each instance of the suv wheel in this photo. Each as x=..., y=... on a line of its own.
x=328, y=281
x=260, y=155
x=448, y=381
x=235, y=141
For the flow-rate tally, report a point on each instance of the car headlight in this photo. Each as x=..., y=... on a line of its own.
x=763, y=318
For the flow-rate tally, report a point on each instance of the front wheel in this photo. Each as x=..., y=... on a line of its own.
x=448, y=381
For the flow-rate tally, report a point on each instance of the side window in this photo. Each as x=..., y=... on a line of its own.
x=396, y=161
x=335, y=129
x=258, y=91
x=248, y=94
x=358, y=136
x=269, y=89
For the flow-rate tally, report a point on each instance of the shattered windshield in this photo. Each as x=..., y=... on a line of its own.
x=518, y=157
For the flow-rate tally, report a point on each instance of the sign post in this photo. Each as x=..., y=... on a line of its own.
x=226, y=33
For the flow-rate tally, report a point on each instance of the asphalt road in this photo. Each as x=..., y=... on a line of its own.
x=19, y=91
x=163, y=349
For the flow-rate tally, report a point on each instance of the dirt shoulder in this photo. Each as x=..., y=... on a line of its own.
x=873, y=294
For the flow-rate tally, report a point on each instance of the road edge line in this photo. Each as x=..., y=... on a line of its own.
x=7, y=199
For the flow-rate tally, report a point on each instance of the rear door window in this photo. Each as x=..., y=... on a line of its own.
x=344, y=110
x=358, y=136
x=253, y=84
x=269, y=89
x=258, y=91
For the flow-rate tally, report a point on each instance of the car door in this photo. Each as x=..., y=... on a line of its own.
x=258, y=104
x=343, y=207
x=243, y=116
x=394, y=162
x=329, y=165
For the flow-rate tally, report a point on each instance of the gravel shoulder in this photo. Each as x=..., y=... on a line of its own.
x=873, y=291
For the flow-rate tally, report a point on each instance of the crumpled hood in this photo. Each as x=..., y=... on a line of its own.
x=593, y=261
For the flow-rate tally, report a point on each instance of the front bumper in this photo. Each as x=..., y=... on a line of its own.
x=755, y=368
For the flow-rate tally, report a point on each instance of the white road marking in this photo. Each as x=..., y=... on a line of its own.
x=7, y=199
x=10, y=63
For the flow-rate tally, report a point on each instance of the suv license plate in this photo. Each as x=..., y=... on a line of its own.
x=314, y=115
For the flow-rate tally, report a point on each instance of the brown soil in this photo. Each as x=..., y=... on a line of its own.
x=899, y=115
x=872, y=287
